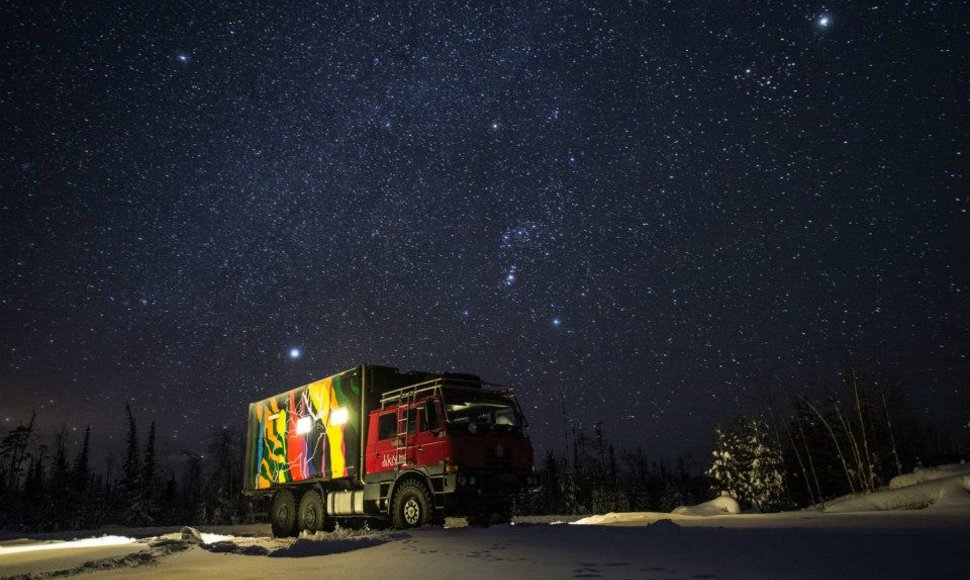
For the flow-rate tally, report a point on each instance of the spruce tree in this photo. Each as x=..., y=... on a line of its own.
x=748, y=464
x=766, y=483
x=132, y=463
x=81, y=506
x=148, y=473
x=82, y=472
x=61, y=496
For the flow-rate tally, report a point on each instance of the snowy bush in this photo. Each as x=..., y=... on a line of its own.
x=748, y=464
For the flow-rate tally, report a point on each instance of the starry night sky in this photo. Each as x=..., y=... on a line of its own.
x=660, y=213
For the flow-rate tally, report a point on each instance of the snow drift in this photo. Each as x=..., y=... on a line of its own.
x=718, y=506
x=944, y=487
x=924, y=474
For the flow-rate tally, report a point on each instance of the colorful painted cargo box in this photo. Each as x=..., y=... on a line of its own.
x=311, y=432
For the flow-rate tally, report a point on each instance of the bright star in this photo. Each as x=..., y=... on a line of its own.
x=824, y=21
x=295, y=353
x=183, y=58
x=556, y=321
x=511, y=276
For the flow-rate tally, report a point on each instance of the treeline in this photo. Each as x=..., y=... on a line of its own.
x=853, y=439
x=42, y=488
x=592, y=477
x=857, y=437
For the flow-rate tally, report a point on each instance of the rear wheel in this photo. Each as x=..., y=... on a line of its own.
x=282, y=514
x=412, y=505
x=312, y=515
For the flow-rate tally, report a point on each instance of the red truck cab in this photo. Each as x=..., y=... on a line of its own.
x=467, y=442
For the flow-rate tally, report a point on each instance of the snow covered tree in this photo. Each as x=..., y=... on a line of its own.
x=727, y=469
x=748, y=464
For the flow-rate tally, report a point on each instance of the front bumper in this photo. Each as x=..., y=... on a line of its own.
x=475, y=491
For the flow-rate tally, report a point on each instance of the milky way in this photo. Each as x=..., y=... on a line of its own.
x=654, y=214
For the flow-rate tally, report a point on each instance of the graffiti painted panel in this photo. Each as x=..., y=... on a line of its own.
x=312, y=432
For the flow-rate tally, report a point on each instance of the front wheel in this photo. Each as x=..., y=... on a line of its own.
x=503, y=515
x=412, y=506
x=282, y=514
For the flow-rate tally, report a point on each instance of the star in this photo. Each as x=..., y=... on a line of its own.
x=511, y=276
x=295, y=353
x=184, y=58
x=824, y=21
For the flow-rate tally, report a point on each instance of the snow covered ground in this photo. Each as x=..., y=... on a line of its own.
x=938, y=488
x=661, y=546
x=870, y=537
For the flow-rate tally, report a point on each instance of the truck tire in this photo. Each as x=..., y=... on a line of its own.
x=412, y=505
x=282, y=514
x=502, y=515
x=312, y=516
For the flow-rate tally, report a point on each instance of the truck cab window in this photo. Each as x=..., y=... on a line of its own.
x=429, y=416
x=387, y=426
x=411, y=420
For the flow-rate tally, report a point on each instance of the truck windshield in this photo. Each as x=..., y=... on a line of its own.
x=491, y=412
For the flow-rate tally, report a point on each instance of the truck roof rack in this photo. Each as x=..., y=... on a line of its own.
x=413, y=391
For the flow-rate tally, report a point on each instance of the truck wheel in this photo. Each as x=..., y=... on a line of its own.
x=282, y=514
x=412, y=505
x=502, y=516
x=312, y=516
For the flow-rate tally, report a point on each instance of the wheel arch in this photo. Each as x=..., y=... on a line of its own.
x=405, y=476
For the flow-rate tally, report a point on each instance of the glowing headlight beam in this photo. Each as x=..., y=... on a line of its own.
x=83, y=543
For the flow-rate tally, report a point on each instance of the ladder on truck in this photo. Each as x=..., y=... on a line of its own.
x=404, y=398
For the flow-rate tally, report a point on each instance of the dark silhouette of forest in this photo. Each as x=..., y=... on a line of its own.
x=851, y=439
x=42, y=489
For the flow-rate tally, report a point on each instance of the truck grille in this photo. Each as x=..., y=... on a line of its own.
x=498, y=456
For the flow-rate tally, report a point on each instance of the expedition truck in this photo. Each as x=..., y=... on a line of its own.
x=401, y=448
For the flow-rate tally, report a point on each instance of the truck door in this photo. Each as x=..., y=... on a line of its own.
x=430, y=448
x=384, y=454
